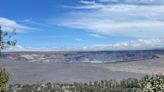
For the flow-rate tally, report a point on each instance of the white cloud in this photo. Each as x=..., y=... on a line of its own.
x=23, y=48
x=29, y=21
x=130, y=45
x=96, y=35
x=87, y=2
x=140, y=44
x=132, y=18
x=147, y=2
x=86, y=5
x=16, y=48
x=142, y=21
x=9, y=25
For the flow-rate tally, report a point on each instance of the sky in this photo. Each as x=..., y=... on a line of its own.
x=84, y=24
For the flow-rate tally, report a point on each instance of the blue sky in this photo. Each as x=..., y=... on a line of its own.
x=84, y=24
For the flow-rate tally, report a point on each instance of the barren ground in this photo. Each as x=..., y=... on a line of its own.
x=31, y=72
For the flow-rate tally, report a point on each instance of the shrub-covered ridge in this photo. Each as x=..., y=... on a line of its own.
x=154, y=83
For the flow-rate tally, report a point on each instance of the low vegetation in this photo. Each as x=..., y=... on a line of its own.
x=154, y=83
x=4, y=77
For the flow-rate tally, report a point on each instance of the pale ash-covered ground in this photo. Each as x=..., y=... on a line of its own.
x=33, y=72
x=153, y=66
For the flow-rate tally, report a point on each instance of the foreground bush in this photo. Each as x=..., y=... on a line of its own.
x=154, y=83
x=4, y=77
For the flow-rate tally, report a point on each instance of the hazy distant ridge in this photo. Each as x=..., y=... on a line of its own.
x=84, y=56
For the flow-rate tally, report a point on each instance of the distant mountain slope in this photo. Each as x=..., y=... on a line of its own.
x=85, y=56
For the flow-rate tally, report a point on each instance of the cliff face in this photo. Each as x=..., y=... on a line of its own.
x=84, y=56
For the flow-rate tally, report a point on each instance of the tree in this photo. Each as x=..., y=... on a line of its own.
x=6, y=40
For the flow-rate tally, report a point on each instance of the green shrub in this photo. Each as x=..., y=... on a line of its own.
x=4, y=77
x=154, y=83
